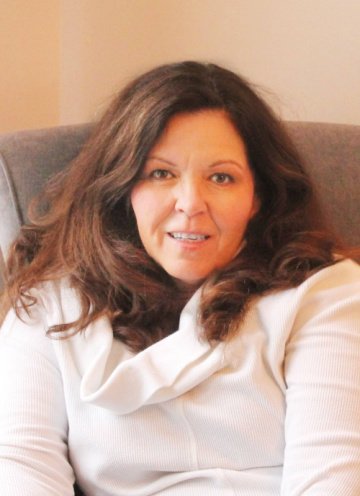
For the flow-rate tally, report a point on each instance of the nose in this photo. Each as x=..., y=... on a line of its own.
x=190, y=198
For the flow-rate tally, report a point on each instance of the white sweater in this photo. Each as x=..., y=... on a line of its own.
x=276, y=411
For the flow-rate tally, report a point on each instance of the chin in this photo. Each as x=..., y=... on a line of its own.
x=187, y=287
x=196, y=276
x=193, y=282
x=188, y=283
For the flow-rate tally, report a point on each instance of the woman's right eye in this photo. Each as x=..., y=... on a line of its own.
x=160, y=174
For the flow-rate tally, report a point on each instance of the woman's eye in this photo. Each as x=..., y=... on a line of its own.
x=160, y=174
x=222, y=178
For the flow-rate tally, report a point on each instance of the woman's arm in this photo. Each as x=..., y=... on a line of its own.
x=33, y=425
x=322, y=372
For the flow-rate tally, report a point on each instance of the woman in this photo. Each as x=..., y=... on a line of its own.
x=181, y=322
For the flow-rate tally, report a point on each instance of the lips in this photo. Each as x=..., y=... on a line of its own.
x=188, y=236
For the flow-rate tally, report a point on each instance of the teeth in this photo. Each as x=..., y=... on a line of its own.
x=190, y=236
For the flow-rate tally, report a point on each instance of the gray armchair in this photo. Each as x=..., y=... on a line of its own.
x=29, y=158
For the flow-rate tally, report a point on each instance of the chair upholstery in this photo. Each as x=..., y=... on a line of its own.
x=29, y=158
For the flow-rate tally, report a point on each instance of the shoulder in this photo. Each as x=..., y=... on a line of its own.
x=331, y=297
x=345, y=272
x=51, y=303
x=342, y=279
x=23, y=334
x=332, y=286
x=55, y=302
x=331, y=294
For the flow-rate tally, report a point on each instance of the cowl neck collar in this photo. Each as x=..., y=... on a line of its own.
x=161, y=372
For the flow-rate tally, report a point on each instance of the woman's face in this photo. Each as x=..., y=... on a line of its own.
x=195, y=196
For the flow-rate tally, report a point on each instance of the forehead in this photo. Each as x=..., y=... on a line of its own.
x=207, y=131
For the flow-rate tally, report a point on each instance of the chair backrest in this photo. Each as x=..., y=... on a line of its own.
x=29, y=158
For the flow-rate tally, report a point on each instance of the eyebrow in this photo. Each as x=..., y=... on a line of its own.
x=154, y=157
x=213, y=164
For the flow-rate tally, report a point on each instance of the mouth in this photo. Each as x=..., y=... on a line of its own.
x=187, y=236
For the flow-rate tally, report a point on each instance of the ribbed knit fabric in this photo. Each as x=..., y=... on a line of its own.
x=275, y=411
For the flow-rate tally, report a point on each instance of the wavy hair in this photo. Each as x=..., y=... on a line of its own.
x=88, y=232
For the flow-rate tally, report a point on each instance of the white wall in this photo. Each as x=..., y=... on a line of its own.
x=29, y=62
x=63, y=59
x=305, y=51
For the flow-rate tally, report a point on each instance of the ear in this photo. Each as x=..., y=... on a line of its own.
x=255, y=206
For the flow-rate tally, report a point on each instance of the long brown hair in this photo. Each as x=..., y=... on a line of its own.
x=88, y=232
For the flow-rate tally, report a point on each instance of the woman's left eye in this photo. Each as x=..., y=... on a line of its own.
x=222, y=178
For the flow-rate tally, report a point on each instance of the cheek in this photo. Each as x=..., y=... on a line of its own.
x=149, y=209
x=143, y=201
x=234, y=217
x=137, y=200
x=141, y=205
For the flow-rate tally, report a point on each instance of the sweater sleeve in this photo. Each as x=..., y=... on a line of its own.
x=322, y=373
x=33, y=425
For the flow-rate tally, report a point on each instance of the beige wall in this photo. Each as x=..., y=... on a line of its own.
x=307, y=52
x=29, y=62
